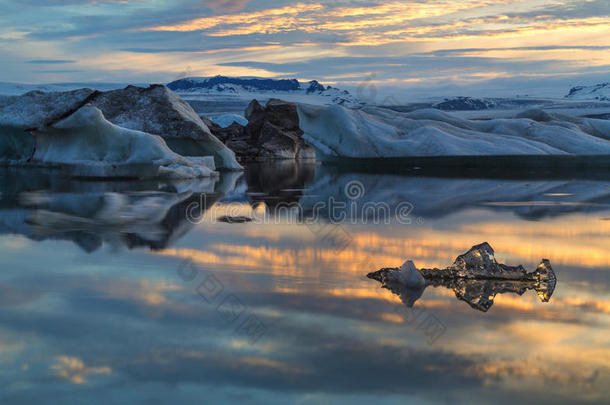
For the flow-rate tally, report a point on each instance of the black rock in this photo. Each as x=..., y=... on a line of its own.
x=272, y=132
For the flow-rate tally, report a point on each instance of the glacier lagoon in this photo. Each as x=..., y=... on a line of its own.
x=134, y=290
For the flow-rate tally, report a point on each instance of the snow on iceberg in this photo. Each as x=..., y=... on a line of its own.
x=372, y=132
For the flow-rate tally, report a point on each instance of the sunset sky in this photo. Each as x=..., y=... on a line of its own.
x=481, y=46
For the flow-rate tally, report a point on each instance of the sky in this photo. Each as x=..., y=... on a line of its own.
x=484, y=47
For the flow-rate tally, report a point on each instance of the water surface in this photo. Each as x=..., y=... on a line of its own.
x=127, y=291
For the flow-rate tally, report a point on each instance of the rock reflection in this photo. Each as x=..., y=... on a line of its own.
x=475, y=277
x=278, y=183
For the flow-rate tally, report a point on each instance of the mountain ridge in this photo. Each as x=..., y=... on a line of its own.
x=247, y=85
x=599, y=92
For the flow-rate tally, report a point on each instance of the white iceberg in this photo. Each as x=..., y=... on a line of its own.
x=408, y=275
x=86, y=144
x=133, y=132
x=154, y=110
x=34, y=110
x=372, y=132
x=226, y=120
x=159, y=111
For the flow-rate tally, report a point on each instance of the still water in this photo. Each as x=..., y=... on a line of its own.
x=143, y=293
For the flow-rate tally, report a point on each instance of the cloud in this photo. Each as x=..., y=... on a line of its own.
x=74, y=369
x=227, y=6
x=518, y=48
x=60, y=71
x=411, y=66
x=50, y=61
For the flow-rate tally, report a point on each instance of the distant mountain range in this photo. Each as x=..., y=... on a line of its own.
x=251, y=86
x=465, y=104
x=599, y=92
x=244, y=89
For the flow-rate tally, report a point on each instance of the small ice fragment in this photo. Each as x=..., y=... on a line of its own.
x=409, y=275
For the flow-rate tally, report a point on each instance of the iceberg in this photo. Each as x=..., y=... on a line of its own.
x=33, y=110
x=133, y=132
x=36, y=109
x=159, y=111
x=86, y=144
x=270, y=132
x=475, y=277
x=408, y=275
x=373, y=132
x=226, y=120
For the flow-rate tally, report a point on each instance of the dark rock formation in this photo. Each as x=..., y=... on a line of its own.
x=275, y=130
x=240, y=219
x=315, y=86
x=272, y=133
x=475, y=277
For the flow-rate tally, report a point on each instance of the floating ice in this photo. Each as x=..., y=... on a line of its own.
x=372, y=132
x=86, y=144
x=159, y=111
x=475, y=277
x=110, y=134
x=227, y=120
x=408, y=275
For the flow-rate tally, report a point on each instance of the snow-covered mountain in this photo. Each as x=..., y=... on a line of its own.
x=257, y=87
x=599, y=92
x=465, y=104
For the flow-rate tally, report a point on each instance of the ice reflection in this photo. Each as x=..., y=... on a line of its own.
x=434, y=197
x=41, y=205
